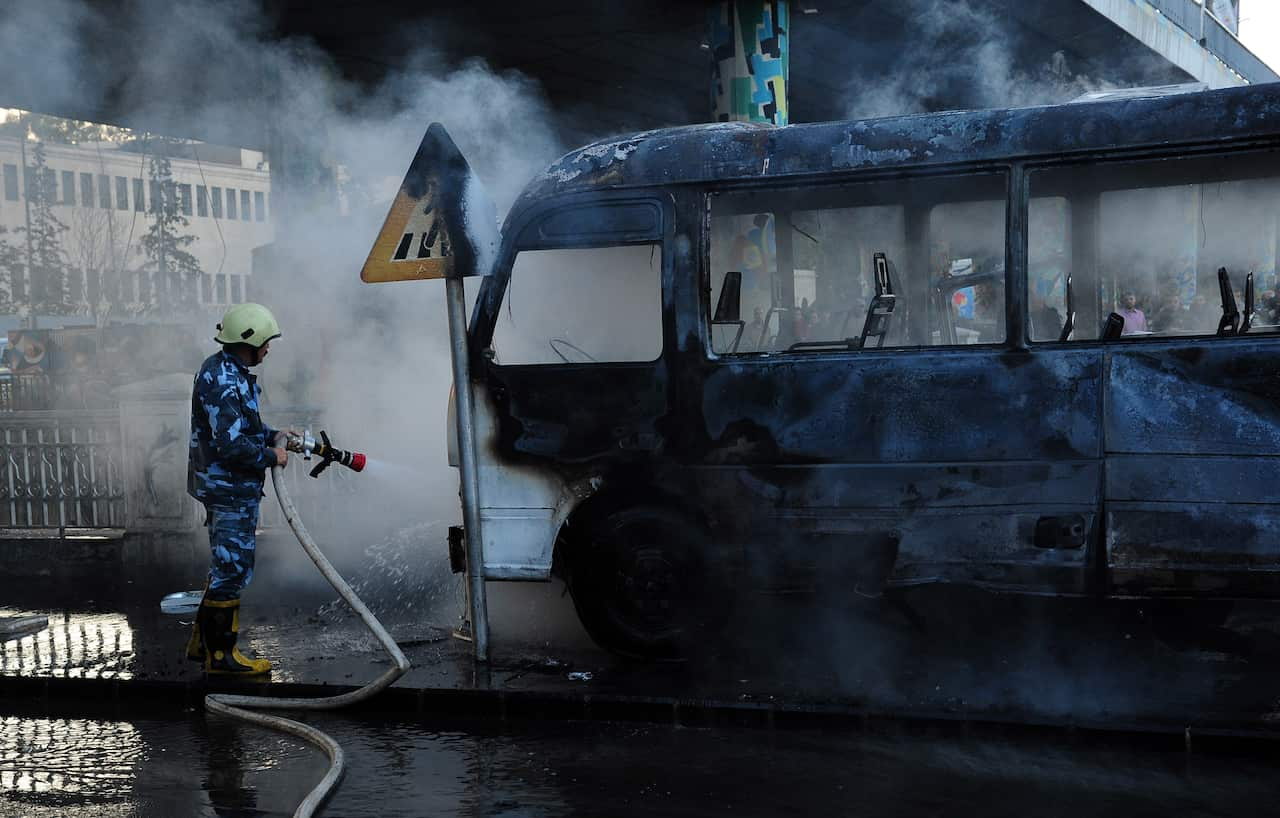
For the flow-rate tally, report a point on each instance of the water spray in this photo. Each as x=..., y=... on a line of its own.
x=307, y=446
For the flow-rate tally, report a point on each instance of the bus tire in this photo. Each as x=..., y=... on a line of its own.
x=637, y=578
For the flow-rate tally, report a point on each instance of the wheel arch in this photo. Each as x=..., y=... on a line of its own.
x=572, y=533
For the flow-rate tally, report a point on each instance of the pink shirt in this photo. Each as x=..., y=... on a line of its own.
x=1134, y=321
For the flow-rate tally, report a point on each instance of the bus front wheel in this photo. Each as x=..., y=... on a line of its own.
x=637, y=581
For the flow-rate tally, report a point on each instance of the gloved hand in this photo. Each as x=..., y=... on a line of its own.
x=290, y=439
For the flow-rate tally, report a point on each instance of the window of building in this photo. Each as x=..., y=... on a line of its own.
x=104, y=191
x=11, y=182
x=206, y=288
x=184, y=199
x=93, y=283
x=75, y=285
x=244, y=205
x=19, y=284
x=157, y=196
x=139, y=204
x=68, y=187
x=202, y=200
x=1144, y=241
x=86, y=190
x=905, y=263
x=259, y=206
x=220, y=288
x=122, y=193
x=215, y=202
x=237, y=296
x=231, y=203
x=553, y=307
x=40, y=186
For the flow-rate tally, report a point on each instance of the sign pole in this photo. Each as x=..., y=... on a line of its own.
x=455, y=296
x=441, y=225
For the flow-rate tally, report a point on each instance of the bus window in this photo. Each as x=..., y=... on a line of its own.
x=807, y=259
x=1145, y=240
x=967, y=240
x=582, y=305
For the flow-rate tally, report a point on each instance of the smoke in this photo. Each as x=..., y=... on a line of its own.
x=372, y=360
x=962, y=55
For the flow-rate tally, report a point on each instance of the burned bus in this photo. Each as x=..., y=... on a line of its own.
x=1029, y=350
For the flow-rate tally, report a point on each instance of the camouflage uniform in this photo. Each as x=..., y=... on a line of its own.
x=229, y=454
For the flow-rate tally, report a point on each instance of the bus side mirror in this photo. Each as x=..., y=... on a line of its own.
x=1247, y=321
x=729, y=304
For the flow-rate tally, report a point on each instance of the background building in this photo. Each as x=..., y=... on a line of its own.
x=105, y=194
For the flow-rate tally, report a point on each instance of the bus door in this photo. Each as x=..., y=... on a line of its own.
x=1191, y=402
x=890, y=436
x=574, y=370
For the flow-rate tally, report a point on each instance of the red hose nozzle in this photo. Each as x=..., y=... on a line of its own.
x=357, y=461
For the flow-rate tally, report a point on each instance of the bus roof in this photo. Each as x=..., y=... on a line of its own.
x=740, y=151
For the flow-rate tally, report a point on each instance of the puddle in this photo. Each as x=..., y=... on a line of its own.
x=76, y=768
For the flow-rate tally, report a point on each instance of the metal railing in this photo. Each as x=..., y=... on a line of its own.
x=61, y=470
x=1218, y=39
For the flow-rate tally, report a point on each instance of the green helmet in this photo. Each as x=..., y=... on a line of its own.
x=251, y=324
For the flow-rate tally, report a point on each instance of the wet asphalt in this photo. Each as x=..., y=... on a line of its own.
x=948, y=654
x=187, y=766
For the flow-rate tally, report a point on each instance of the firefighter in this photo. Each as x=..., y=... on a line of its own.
x=230, y=451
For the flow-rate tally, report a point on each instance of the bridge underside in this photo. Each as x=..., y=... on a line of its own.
x=614, y=67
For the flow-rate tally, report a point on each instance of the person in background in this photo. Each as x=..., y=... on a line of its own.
x=1046, y=321
x=1170, y=317
x=753, y=335
x=1135, y=320
x=230, y=450
x=1269, y=307
x=1201, y=317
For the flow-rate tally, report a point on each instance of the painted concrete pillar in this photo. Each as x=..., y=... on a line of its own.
x=750, y=59
x=155, y=424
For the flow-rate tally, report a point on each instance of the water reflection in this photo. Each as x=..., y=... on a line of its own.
x=212, y=767
x=80, y=757
x=75, y=645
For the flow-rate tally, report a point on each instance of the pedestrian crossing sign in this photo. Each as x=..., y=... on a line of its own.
x=425, y=235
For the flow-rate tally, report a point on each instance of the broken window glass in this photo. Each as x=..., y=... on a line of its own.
x=808, y=260
x=582, y=305
x=1145, y=241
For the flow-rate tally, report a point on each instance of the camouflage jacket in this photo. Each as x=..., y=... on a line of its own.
x=230, y=445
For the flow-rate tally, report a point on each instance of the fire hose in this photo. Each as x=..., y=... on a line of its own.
x=243, y=707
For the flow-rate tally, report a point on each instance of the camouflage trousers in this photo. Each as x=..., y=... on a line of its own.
x=232, y=544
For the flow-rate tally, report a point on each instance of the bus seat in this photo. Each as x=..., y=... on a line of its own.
x=1113, y=327
x=876, y=327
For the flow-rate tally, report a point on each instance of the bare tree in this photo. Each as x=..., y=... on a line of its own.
x=97, y=250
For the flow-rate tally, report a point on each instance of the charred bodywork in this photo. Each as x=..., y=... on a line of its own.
x=1142, y=466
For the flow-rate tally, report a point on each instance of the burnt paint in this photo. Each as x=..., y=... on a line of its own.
x=1193, y=466
x=738, y=152
x=953, y=455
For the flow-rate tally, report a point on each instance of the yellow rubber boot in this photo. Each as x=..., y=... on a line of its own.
x=195, y=644
x=219, y=621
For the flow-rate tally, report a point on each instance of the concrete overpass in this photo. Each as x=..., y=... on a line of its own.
x=622, y=65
